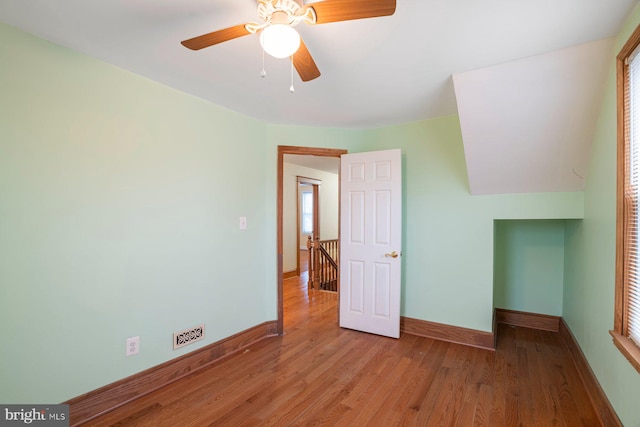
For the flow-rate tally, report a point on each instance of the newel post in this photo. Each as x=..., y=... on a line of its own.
x=311, y=262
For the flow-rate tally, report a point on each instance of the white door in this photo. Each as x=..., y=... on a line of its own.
x=370, y=241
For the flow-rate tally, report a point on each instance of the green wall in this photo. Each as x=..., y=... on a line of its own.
x=119, y=211
x=119, y=206
x=529, y=266
x=588, y=301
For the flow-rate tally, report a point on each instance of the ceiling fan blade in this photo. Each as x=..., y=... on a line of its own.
x=345, y=10
x=216, y=37
x=304, y=63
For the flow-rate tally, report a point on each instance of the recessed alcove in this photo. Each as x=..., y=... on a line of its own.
x=529, y=265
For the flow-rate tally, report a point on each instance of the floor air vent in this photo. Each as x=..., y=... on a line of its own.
x=188, y=336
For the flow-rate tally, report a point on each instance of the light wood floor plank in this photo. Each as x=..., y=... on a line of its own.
x=320, y=374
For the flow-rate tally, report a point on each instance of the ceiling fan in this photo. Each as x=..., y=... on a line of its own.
x=277, y=35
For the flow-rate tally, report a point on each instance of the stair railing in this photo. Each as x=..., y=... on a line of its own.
x=323, y=264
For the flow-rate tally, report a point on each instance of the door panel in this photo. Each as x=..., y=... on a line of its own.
x=382, y=279
x=356, y=219
x=382, y=218
x=356, y=288
x=371, y=197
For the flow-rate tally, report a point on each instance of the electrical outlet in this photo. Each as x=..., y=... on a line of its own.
x=133, y=346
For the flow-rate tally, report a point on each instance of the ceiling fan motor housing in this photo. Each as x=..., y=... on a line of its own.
x=283, y=9
x=288, y=12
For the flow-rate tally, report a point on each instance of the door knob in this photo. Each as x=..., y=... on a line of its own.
x=393, y=254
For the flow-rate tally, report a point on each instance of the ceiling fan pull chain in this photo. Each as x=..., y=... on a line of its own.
x=263, y=73
x=291, y=89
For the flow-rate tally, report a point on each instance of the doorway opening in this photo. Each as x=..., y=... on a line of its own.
x=282, y=152
x=307, y=218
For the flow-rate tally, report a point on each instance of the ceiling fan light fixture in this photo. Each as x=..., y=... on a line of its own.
x=280, y=40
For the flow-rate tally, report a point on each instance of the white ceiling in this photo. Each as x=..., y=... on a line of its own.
x=529, y=74
x=375, y=72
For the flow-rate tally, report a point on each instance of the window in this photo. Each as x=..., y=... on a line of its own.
x=307, y=212
x=626, y=333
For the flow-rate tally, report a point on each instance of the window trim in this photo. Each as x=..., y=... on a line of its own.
x=628, y=348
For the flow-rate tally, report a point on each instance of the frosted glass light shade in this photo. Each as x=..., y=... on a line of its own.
x=279, y=40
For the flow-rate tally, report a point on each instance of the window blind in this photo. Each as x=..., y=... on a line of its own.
x=631, y=197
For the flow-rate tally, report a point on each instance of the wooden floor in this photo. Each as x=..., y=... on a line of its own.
x=304, y=262
x=319, y=374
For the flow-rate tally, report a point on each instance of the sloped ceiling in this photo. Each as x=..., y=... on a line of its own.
x=527, y=125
